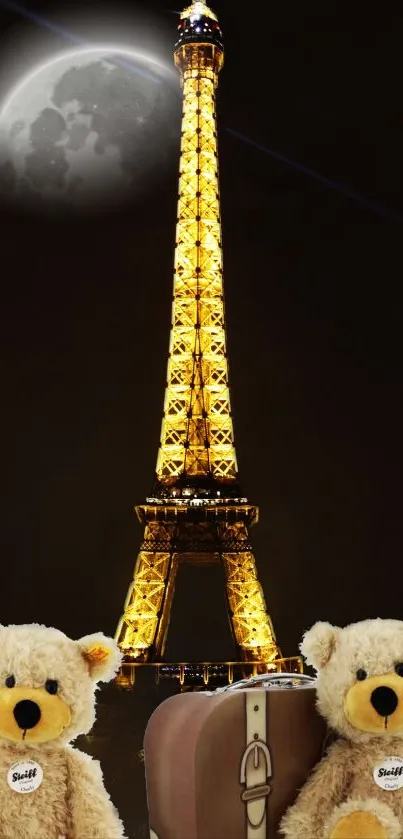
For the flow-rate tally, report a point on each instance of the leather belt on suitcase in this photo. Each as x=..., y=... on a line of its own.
x=256, y=765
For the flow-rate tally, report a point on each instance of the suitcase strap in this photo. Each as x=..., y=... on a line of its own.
x=256, y=766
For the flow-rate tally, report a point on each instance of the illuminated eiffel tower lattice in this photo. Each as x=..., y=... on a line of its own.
x=197, y=511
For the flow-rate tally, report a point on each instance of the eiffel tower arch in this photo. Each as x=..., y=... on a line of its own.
x=197, y=511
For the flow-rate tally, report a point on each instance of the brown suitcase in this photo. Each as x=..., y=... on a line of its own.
x=226, y=765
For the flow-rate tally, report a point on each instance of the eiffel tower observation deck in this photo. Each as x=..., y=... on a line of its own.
x=197, y=511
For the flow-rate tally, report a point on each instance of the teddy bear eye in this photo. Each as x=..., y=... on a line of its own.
x=10, y=682
x=51, y=686
x=361, y=675
x=399, y=669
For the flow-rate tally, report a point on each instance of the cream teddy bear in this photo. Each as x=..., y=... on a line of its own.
x=48, y=789
x=356, y=791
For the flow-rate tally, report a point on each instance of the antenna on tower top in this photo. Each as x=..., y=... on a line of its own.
x=198, y=8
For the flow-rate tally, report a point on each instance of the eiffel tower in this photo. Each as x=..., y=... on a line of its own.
x=197, y=511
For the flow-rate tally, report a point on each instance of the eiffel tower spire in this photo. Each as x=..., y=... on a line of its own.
x=197, y=434
x=197, y=507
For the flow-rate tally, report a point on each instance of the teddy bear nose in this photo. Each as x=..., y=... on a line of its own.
x=384, y=700
x=27, y=714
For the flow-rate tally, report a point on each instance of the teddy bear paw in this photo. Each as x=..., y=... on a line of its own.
x=368, y=819
x=359, y=825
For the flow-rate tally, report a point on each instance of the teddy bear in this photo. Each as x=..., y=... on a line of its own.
x=356, y=791
x=48, y=789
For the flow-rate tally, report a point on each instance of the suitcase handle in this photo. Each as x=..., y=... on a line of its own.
x=269, y=678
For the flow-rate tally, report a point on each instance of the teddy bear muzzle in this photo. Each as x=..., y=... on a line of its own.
x=375, y=704
x=32, y=715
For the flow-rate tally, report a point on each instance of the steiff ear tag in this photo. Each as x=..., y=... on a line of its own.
x=25, y=776
x=97, y=653
x=389, y=773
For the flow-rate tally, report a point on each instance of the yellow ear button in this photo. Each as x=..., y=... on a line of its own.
x=97, y=653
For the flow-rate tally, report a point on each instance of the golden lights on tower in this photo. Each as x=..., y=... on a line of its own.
x=197, y=433
x=197, y=509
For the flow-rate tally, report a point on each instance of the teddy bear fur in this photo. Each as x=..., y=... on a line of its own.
x=360, y=694
x=71, y=802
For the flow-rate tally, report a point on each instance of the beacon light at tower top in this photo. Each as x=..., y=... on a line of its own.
x=198, y=9
x=198, y=31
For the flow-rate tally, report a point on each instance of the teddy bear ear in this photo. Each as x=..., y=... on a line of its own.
x=318, y=643
x=102, y=656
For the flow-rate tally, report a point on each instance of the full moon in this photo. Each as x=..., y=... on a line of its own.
x=90, y=130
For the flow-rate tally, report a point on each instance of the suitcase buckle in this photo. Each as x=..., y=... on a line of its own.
x=258, y=793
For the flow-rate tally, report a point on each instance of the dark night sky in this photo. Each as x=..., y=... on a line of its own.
x=314, y=311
